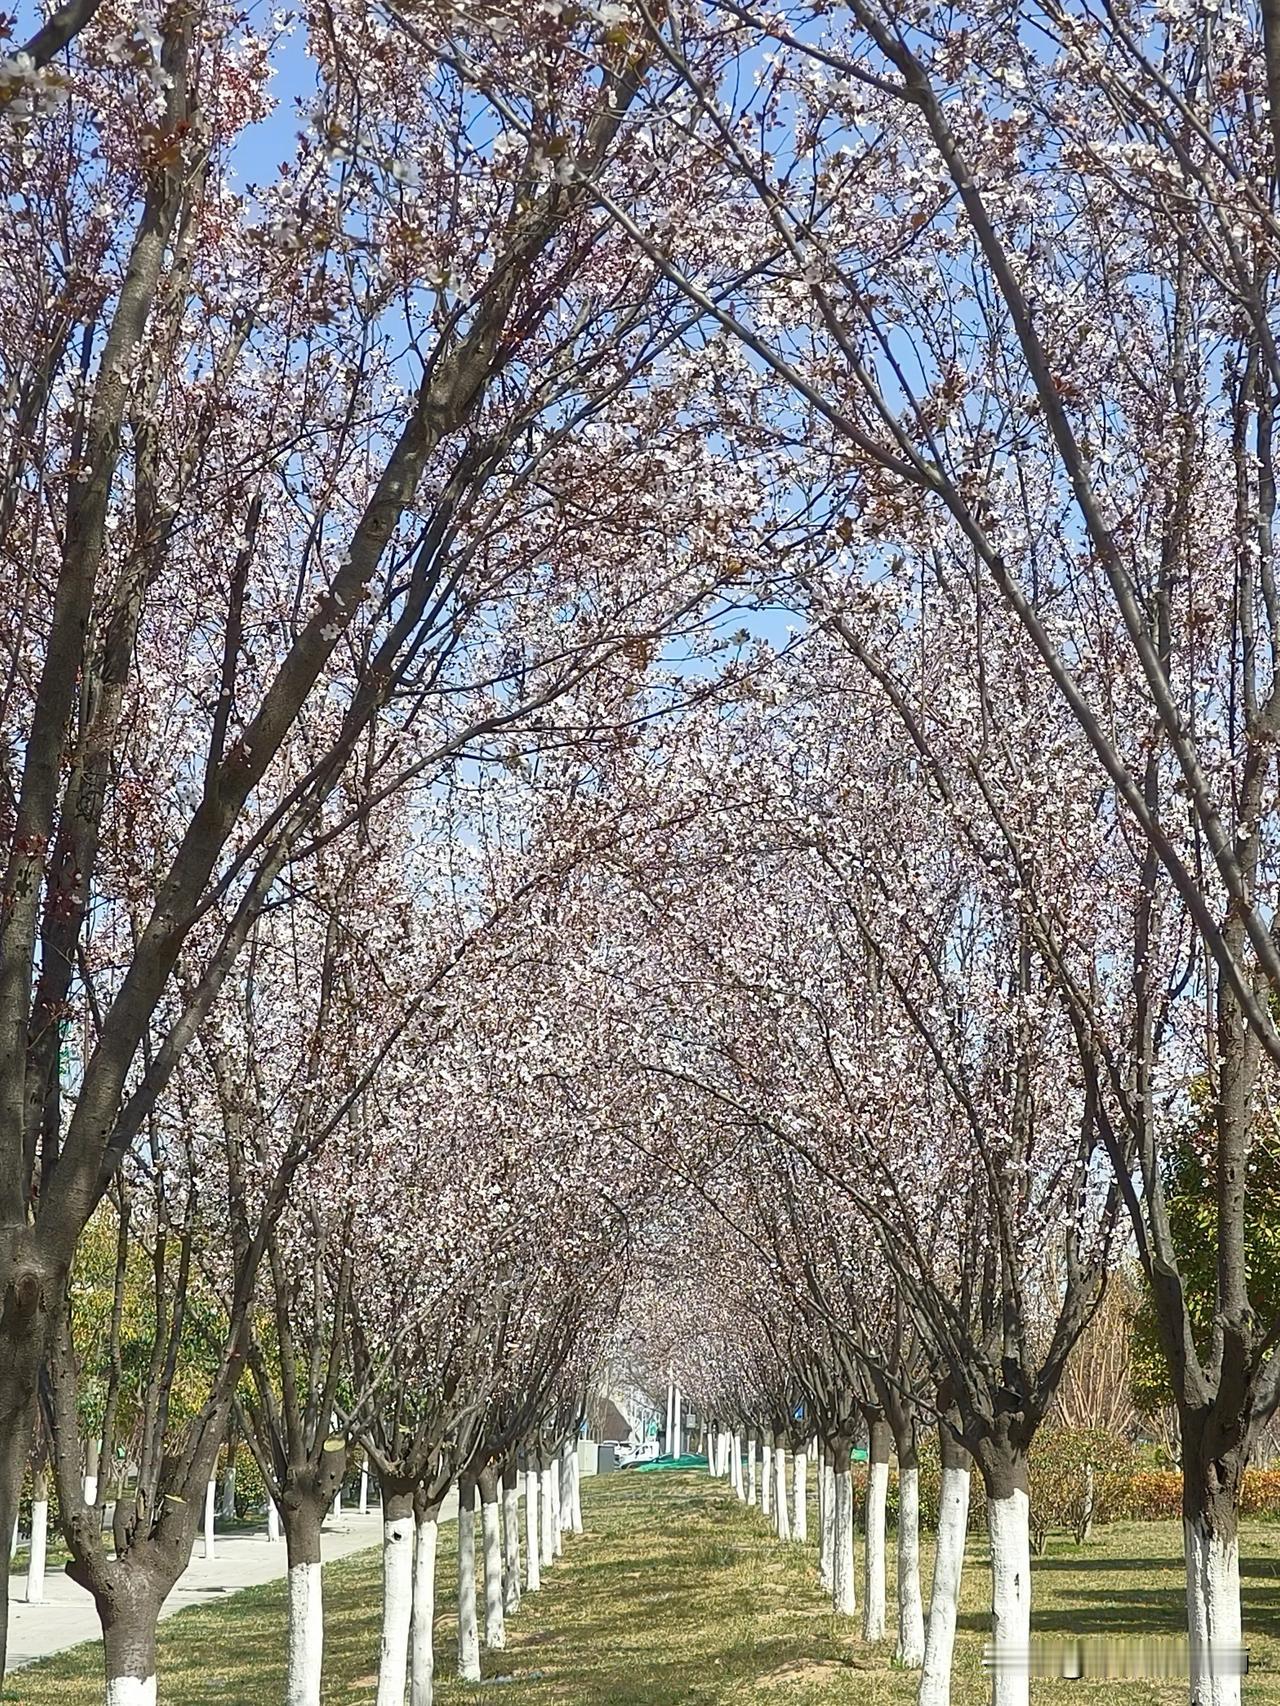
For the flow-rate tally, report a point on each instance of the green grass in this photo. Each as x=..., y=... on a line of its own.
x=677, y=1594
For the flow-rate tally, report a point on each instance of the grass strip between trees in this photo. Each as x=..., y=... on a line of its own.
x=677, y=1593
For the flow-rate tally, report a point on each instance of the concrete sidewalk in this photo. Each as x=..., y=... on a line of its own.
x=240, y=1560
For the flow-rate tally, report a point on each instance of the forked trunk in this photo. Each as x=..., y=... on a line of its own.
x=422, y=1651
x=495, y=1632
x=948, y=1563
x=873, y=1584
x=397, y=1594
x=304, y=1653
x=468, y=1632
x=511, y=1538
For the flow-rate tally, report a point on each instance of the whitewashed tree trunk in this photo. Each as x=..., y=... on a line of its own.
x=1213, y=1612
x=532, y=1533
x=910, y=1648
x=306, y=1635
x=670, y=1433
x=557, y=1520
x=844, y=1595
x=210, y=1508
x=800, y=1497
x=397, y=1597
x=568, y=1455
x=751, y=1469
x=228, y=1508
x=547, y=1507
x=781, y=1516
x=468, y=1632
x=364, y=1488
x=677, y=1422
x=495, y=1632
x=575, y=1490
x=1009, y=1530
x=766, y=1477
x=273, y=1519
x=873, y=1582
x=129, y=1647
x=304, y=1645
x=39, y=1538
x=422, y=1649
x=510, y=1540
x=827, y=1519
x=948, y=1563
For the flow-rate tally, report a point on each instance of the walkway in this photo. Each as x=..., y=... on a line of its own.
x=240, y=1560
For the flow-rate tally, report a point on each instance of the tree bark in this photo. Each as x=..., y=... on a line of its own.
x=751, y=1469
x=547, y=1510
x=304, y=1663
x=129, y=1608
x=800, y=1496
x=1009, y=1531
x=1210, y=1526
x=397, y=1593
x=495, y=1632
x=910, y=1648
x=873, y=1587
x=532, y=1532
x=766, y=1476
x=468, y=1632
x=39, y=1537
x=948, y=1563
x=422, y=1655
x=781, y=1518
x=844, y=1595
x=511, y=1538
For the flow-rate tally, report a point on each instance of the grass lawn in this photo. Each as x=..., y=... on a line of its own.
x=678, y=1594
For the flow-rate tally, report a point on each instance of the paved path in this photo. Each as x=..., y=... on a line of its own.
x=240, y=1560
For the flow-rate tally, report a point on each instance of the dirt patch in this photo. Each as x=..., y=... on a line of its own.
x=787, y=1676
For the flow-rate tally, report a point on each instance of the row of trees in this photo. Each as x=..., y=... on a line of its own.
x=396, y=826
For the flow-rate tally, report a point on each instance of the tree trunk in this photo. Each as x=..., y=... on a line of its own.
x=557, y=1514
x=781, y=1518
x=397, y=1594
x=766, y=1476
x=1009, y=1530
x=39, y=1537
x=800, y=1496
x=751, y=1469
x=1210, y=1529
x=873, y=1584
x=511, y=1538
x=305, y=1644
x=227, y=1505
x=547, y=1509
x=827, y=1518
x=575, y=1490
x=910, y=1648
x=468, y=1632
x=495, y=1631
x=422, y=1652
x=844, y=1595
x=210, y=1513
x=128, y=1610
x=532, y=1532
x=948, y=1563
